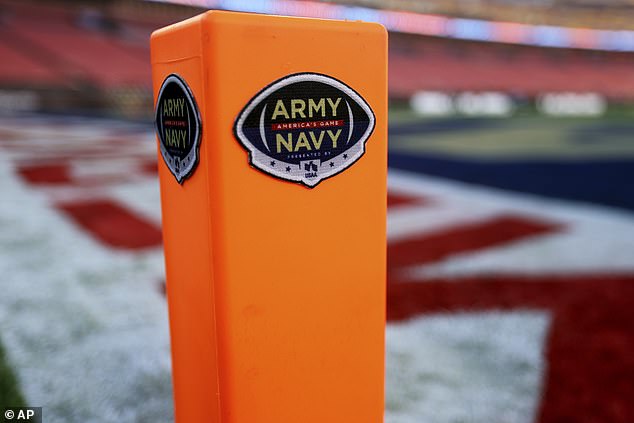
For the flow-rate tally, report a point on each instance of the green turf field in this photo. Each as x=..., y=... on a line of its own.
x=10, y=395
x=525, y=137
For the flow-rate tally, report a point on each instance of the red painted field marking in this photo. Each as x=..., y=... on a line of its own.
x=149, y=168
x=432, y=247
x=45, y=174
x=589, y=350
x=112, y=224
x=396, y=200
x=108, y=221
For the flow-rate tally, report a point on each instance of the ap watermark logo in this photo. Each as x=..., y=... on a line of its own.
x=22, y=414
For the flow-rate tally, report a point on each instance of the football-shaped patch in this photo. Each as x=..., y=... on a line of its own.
x=178, y=127
x=305, y=127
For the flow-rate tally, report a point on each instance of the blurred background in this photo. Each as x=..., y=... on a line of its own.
x=510, y=222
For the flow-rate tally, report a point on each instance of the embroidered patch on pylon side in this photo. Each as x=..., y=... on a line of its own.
x=178, y=127
x=304, y=128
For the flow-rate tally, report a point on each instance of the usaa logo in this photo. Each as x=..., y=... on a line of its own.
x=304, y=128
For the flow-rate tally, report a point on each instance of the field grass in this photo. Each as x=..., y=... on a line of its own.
x=531, y=137
x=10, y=395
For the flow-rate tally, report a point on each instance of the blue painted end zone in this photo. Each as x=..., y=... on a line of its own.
x=607, y=182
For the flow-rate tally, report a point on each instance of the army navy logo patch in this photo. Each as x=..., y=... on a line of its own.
x=178, y=127
x=304, y=128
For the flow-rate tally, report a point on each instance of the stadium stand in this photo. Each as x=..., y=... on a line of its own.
x=418, y=63
x=604, y=14
x=53, y=37
x=93, y=47
x=17, y=68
